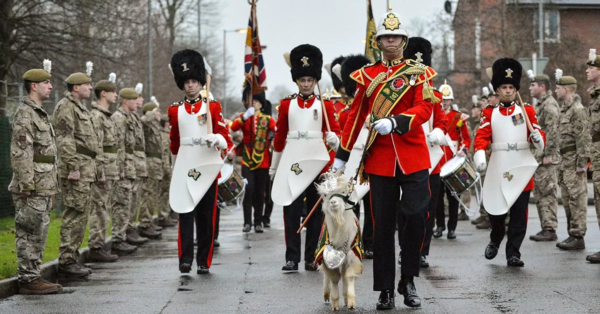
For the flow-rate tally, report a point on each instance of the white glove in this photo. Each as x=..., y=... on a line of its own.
x=437, y=137
x=274, y=164
x=339, y=164
x=249, y=113
x=479, y=159
x=536, y=138
x=332, y=140
x=216, y=140
x=384, y=126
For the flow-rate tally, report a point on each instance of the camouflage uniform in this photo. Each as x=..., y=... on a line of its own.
x=574, y=147
x=140, y=168
x=33, y=160
x=121, y=198
x=164, y=209
x=106, y=161
x=595, y=147
x=77, y=143
x=546, y=176
x=154, y=163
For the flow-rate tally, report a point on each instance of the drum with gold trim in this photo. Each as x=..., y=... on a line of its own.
x=459, y=176
x=231, y=184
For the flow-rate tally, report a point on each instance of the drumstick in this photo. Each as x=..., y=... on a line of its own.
x=310, y=214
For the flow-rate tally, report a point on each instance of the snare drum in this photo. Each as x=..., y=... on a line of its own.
x=231, y=184
x=458, y=175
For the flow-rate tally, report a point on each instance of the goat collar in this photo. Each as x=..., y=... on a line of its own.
x=346, y=199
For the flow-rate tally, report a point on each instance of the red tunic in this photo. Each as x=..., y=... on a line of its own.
x=484, y=134
x=218, y=125
x=408, y=150
x=457, y=130
x=248, y=128
x=282, y=123
x=440, y=121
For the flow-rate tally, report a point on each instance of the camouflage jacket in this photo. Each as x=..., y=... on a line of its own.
x=125, y=141
x=76, y=139
x=595, y=126
x=33, y=151
x=107, y=137
x=154, y=149
x=548, y=116
x=139, y=150
x=574, y=135
x=166, y=153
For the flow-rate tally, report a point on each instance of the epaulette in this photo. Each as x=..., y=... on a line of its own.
x=177, y=103
x=292, y=96
x=491, y=106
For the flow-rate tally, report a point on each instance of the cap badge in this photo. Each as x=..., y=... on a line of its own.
x=305, y=61
x=391, y=22
x=185, y=67
x=446, y=91
x=419, y=55
x=509, y=72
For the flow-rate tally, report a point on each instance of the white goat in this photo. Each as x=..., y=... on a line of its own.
x=341, y=231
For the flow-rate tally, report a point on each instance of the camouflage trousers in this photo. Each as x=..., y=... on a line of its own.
x=573, y=188
x=149, y=200
x=596, y=179
x=99, y=213
x=546, y=191
x=32, y=218
x=121, y=206
x=164, y=209
x=135, y=202
x=76, y=200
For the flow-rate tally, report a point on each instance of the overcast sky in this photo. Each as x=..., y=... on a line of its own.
x=337, y=27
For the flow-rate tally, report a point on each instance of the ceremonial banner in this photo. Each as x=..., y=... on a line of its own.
x=371, y=50
x=254, y=66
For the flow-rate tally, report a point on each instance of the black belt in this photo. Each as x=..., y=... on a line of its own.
x=44, y=159
x=84, y=151
x=139, y=148
x=110, y=149
x=596, y=137
x=567, y=149
x=129, y=150
x=153, y=155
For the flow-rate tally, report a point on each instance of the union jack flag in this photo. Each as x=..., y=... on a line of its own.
x=254, y=65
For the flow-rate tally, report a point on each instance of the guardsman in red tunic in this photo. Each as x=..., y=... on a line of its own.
x=255, y=126
x=509, y=177
x=398, y=95
x=419, y=49
x=197, y=162
x=303, y=149
x=458, y=144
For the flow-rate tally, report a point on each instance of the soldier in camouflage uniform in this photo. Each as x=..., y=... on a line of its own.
x=574, y=146
x=106, y=162
x=34, y=181
x=139, y=153
x=122, y=190
x=593, y=76
x=546, y=175
x=78, y=147
x=165, y=213
x=154, y=163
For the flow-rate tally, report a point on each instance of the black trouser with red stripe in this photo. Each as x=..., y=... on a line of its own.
x=385, y=193
x=440, y=216
x=517, y=226
x=291, y=220
x=204, y=215
x=255, y=194
x=434, y=187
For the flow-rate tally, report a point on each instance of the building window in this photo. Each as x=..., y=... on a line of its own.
x=551, y=26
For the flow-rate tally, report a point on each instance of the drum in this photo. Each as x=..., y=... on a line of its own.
x=231, y=184
x=459, y=176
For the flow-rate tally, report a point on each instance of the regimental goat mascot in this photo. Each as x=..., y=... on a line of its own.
x=340, y=250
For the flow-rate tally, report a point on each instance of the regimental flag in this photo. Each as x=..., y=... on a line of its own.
x=371, y=50
x=254, y=65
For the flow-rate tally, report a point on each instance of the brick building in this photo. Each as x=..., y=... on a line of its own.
x=485, y=30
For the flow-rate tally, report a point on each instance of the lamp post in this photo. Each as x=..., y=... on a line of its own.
x=240, y=31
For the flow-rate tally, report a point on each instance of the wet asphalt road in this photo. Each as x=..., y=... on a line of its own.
x=246, y=277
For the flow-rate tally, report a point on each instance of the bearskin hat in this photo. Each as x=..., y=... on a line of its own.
x=267, y=108
x=260, y=98
x=351, y=64
x=188, y=64
x=506, y=71
x=419, y=45
x=337, y=82
x=306, y=60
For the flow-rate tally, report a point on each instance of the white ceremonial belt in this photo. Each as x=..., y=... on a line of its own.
x=510, y=146
x=191, y=141
x=304, y=134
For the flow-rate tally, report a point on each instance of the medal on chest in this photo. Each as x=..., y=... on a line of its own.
x=517, y=119
x=201, y=119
